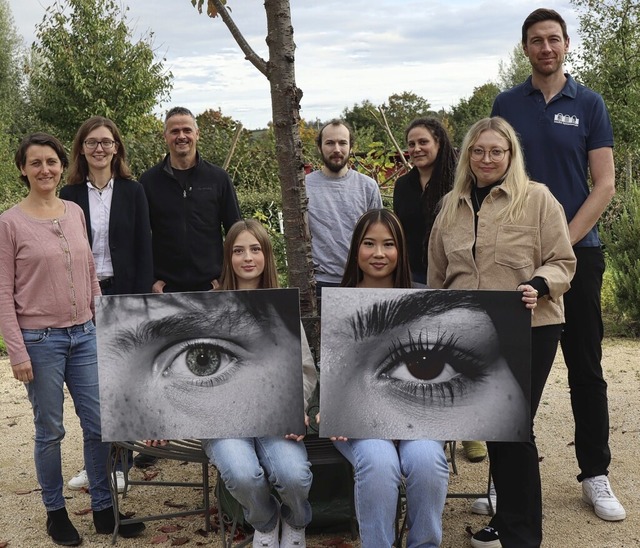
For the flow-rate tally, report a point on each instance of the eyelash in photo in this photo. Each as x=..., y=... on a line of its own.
x=416, y=363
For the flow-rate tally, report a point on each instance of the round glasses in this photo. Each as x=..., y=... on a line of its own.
x=106, y=144
x=495, y=154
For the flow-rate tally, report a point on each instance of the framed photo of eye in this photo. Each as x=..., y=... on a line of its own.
x=416, y=363
x=216, y=364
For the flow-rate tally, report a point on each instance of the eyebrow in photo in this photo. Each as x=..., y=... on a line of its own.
x=180, y=325
x=376, y=319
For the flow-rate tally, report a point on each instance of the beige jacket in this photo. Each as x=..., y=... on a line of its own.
x=506, y=254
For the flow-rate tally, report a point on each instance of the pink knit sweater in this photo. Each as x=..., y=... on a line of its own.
x=47, y=275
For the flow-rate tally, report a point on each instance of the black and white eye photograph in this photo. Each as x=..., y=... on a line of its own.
x=217, y=364
x=416, y=363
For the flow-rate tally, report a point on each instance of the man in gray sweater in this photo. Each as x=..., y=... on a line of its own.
x=338, y=196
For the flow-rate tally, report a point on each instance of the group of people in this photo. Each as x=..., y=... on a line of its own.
x=59, y=253
x=473, y=220
x=498, y=229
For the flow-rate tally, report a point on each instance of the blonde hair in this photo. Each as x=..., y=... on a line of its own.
x=515, y=180
x=269, y=277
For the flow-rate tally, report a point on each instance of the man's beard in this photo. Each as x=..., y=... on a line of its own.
x=333, y=166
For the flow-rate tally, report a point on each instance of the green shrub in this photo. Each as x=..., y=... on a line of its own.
x=614, y=325
x=3, y=347
x=613, y=213
x=266, y=207
x=622, y=240
x=270, y=220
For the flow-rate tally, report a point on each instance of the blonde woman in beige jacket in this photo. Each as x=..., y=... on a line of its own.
x=499, y=230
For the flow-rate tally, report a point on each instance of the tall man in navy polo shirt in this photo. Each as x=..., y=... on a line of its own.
x=566, y=133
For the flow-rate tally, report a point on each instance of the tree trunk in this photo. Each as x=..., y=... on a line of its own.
x=285, y=103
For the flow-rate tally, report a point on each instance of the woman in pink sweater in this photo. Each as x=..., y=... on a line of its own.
x=47, y=285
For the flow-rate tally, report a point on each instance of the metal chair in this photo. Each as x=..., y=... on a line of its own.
x=184, y=451
x=181, y=450
x=454, y=469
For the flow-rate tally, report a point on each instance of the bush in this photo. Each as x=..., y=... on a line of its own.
x=270, y=219
x=622, y=240
x=266, y=207
x=614, y=325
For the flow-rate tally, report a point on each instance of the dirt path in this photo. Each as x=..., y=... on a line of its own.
x=568, y=521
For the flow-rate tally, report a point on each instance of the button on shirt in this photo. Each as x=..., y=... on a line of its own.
x=99, y=210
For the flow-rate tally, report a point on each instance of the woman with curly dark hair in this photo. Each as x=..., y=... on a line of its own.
x=416, y=194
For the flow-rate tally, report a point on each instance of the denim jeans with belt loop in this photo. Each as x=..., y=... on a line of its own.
x=58, y=356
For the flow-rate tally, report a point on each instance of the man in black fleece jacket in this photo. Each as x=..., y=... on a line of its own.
x=190, y=200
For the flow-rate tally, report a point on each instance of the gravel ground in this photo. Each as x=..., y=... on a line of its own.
x=568, y=521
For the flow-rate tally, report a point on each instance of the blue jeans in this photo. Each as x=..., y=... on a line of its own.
x=60, y=356
x=379, y=467
x=250, y=466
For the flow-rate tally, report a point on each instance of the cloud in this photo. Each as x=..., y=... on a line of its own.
x=346, y=51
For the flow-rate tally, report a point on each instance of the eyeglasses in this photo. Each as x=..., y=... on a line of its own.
x=495, y=154
x=92, y=144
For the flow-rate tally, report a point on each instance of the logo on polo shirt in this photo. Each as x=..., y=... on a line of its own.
x=566, y=120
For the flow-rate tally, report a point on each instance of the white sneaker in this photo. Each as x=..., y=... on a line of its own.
x=597, y=492
x=79, y=481
x=292, y=537
x=481, y=506
x=267, y=540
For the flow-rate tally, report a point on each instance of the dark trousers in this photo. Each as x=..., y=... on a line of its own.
x=515, y=466
x=419, y=277
x=582, y=348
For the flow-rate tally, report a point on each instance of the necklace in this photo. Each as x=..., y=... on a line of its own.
x=99, y=188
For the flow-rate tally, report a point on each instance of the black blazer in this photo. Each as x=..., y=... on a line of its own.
x=129, y=233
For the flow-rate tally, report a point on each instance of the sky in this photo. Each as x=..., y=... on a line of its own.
x=347, y=50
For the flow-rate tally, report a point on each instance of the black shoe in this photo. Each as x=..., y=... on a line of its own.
x=105, y=523
x=144, y=461
x=61, y=530
x=486, y=538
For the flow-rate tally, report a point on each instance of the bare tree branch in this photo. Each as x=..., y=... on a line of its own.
x=393, y=139
x=285, y=105
x=250, y=54
x=236, y=136
x=385, y=125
